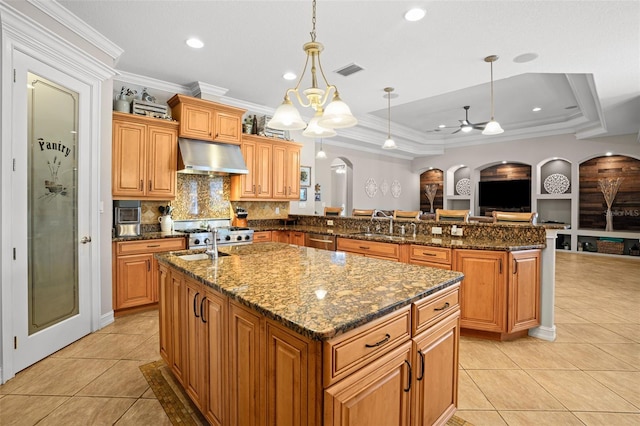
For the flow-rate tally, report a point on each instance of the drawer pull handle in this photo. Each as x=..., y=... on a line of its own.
x=515, y=266
x=445, y=306
x=421, y=366
x=381, y=342
x=363, y=247
x=408, y=388
x=153, y=245
x=425, y=253
x=195, y=302
x=202, y=310
x=319, y=241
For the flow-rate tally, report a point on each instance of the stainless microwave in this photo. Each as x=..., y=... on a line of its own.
x=127, y=218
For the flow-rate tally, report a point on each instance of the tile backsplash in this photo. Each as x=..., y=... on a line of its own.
x=205, y=197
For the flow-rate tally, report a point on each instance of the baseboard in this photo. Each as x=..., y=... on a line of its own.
x=106, y=319
x=544, y=333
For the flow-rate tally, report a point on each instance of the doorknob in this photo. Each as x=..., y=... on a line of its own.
x=85, y=240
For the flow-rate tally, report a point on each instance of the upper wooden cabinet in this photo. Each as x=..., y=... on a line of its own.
x=207, y=120
x=274, y=170
x=145, y=156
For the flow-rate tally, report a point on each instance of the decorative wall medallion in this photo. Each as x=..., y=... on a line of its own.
x=384, y=187
x=396, y=189
x=463, y=187
x=556, y=183
x=371, y=187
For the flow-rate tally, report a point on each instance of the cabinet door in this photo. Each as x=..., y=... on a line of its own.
x=134, y=284
x=279, y=171
x=261, y=236
x=483, y=289
x=264, y=170
x=196, y=122
x=524, y=290
x=280, y=236
x=248, y=182
x=228, y=127
x=436, y=372
x=128, y=163
x=178, y=323
x=164, y=314
x=291, y=378
x=292, y=170
x=194, y=371
x=214, y=314
x=378, y=394
x=162, y=154
x=296, y=238
x=245, y=355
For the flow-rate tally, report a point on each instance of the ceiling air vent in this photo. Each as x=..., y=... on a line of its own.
x=349, y=69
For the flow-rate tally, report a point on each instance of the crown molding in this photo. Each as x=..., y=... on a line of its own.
x=142, y=81
x=78, y=26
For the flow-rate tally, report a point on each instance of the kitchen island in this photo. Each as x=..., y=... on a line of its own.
x=294, y=335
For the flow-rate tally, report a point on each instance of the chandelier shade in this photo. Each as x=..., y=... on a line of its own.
x=337, y=113
x=315, y=130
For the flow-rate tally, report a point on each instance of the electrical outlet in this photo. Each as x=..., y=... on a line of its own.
x=329, y=222
x=277, y=210
x=457, y=233
x=436, y=230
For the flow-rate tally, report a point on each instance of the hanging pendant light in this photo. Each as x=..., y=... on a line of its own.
x=315, y=130
x=336, y=115
x=389, y=143
x=321, y=155
x=492, y=127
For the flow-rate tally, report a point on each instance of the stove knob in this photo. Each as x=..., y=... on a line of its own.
x=239, y=238
x=196, y=241
x=227, y=238
x=247, y=237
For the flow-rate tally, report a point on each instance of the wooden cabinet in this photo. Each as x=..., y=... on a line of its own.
x=500, y=295
x=135, y=280
x=436, y=257
x=280, y=237
x=296, y=237
x=214, y=335
x=262, y=236
x=379, y=250
x=286, y=171
x=378, y=394
x=145, y=156
x=206, y=120
x=274, y=170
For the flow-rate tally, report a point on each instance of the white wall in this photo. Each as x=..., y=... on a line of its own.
x=367, y=165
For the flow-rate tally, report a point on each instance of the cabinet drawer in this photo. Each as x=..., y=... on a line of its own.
x=430, y=254
x=370, y=248
x=434, y=307
x=150, y=246
x=350, y=351
x=261, y=236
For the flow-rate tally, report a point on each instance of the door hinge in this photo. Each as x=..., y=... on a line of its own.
x=15, y=342
x=14, y=253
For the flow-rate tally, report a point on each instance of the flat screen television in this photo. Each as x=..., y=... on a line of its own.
x=505, y=193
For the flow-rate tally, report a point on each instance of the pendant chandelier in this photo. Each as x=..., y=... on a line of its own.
x=389, y=143
x=336, y=115
x=492, y=127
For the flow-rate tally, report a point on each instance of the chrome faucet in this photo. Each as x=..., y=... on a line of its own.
x=413, y=225
x=214, y=242
x=375, y=214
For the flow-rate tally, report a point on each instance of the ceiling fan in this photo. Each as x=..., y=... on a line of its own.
x=465, y=125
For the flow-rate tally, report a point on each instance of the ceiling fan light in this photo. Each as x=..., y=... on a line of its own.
x=492, y=128
x=286, y=117
x=337, y=115
x=314, y=130
x=466, y=128
x=389, y=144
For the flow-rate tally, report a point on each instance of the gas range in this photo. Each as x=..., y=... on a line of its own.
x=227, y=235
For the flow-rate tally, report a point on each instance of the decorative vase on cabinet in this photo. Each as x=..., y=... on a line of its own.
x=122, y=104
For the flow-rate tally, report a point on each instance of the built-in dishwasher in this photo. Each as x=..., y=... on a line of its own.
x=320, y=241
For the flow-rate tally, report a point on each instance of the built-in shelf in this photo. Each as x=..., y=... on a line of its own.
x=554, y=196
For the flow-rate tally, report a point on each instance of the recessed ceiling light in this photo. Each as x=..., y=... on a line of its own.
x=608, y=154
x=525, y=57
x=536, y=109
x=195, y=43
x=442, y=126
x=504, y=161
x=289, y=76
x=415, y=14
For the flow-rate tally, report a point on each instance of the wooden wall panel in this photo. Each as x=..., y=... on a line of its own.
x=431, y=176
x=509, y=171
x=626, y=205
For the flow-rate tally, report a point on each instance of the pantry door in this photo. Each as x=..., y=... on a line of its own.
x=50, y=205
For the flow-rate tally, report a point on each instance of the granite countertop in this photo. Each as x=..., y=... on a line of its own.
x=151, y=236
x=503, y=244
x=317, y=293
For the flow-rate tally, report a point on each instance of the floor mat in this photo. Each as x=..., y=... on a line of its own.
x=179, y=407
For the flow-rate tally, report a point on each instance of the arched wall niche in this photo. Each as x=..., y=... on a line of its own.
x=505, y=171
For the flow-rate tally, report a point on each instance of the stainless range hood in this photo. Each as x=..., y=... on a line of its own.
x=210, y=158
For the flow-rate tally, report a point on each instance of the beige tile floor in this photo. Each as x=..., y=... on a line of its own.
x=589, y=376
